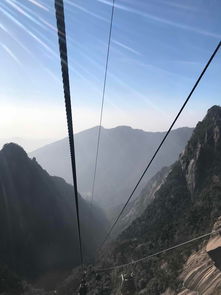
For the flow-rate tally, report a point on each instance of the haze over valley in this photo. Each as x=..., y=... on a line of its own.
x=123, y=155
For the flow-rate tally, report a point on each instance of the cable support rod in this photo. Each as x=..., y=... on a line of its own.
x=162, y=142
x=157, y=253
x=60, y=18
x=102, y=101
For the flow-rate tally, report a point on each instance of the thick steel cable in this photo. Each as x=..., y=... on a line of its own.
x=157, y=253
x=162, y=142
x=59, y=9
x=102, y=102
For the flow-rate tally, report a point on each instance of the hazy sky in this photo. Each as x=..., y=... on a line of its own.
x=158, y=49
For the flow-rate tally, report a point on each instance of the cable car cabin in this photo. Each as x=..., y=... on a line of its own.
x=127, y=285
x=83, y=289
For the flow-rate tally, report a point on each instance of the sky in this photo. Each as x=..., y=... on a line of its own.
x=158, y=49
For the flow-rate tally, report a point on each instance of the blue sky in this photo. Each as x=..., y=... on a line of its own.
x=158, y=49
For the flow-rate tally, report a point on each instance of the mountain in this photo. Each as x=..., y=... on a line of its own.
x=29, y=144
x=123, y=155
x=186, y=205
x=38, y=230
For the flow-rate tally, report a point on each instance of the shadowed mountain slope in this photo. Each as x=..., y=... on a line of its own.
x=38, y=220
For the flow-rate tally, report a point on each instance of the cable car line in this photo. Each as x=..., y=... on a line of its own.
x=102, y=100
x=158, y=253
x=60, y=18
x=162, y=142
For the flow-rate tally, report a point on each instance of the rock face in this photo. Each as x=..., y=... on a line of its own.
x=123, y=155
x=213, y=247
x=186, y=205
x=203, y=147
x=201, y=273
x=38, y=230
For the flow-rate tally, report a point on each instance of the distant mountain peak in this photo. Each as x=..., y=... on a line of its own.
x=214, y=111
x=14, y=150
x=38, y=228
x=123, y=153
x=13, y=147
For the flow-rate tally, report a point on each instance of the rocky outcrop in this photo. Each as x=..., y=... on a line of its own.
x=213, y=247
x=205, y=138
x=201, y=273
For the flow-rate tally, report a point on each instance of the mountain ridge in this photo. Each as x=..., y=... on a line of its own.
x=123, y=154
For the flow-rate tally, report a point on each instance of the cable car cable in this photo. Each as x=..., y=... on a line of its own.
x=158, y=253
x=60, y=18
x=102, y=101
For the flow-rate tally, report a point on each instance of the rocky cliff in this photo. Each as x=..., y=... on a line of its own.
x=201, y=273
